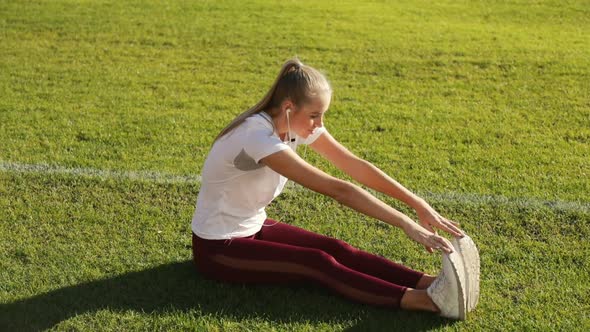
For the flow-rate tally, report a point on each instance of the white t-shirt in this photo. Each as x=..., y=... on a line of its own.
x=235, y=187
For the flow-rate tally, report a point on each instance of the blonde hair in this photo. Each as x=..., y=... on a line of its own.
x=296, y=82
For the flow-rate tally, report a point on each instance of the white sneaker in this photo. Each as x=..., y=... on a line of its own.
x=468, y=251
x=448, y=291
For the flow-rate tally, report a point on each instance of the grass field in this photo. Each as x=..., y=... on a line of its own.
x=108, y=109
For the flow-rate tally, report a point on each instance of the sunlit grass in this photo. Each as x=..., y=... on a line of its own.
x=453, y=99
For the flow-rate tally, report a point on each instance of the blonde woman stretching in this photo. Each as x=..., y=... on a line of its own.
x=248, y=166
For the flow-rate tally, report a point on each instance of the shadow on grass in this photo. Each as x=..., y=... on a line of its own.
x=178, y=287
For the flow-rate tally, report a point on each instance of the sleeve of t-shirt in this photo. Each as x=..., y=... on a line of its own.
x=316, y=133
x=260, y=143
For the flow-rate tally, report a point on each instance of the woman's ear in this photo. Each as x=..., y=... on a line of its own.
x=287, y=105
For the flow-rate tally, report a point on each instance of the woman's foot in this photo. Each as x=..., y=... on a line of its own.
x=417, y=299
x=468, y=251
x=448, y=291
x=425, y=281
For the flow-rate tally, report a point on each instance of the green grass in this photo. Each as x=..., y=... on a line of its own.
x=465, y=98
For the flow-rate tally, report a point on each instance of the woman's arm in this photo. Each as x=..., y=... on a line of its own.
x=290, y=165
x=369, y=175
x=363, y=171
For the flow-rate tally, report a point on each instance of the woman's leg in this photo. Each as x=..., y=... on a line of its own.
x=256, y=260
x=345, y=254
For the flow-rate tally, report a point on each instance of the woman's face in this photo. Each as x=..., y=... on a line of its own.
x=309, y=116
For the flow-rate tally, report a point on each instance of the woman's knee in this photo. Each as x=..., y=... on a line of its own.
x=317, y=258
x=341, y=247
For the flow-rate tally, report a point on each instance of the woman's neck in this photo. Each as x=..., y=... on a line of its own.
x=279, y=122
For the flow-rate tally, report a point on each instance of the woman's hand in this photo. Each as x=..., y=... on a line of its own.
x=430, y=219
x=430, y=240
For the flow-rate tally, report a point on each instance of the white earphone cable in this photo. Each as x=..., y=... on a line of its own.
x=288, y=126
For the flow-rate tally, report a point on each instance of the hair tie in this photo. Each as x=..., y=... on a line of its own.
x=297, y=66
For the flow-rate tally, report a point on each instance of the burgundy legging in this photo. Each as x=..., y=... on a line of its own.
x=281, y=253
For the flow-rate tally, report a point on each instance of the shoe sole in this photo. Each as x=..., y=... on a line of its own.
x=468, y=251
x=458, y=270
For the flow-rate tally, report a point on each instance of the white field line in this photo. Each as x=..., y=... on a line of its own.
x=159, y=177
x=143, y=176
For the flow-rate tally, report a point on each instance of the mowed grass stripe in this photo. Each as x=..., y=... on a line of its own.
x=195, y=179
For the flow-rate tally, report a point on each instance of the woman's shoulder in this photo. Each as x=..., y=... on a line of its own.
x=255, y=126
x=259, y=117
x=259, y=121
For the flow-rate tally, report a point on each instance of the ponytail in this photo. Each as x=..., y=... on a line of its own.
x=266, y=100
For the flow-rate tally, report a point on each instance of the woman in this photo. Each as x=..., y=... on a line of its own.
x=248, y=166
